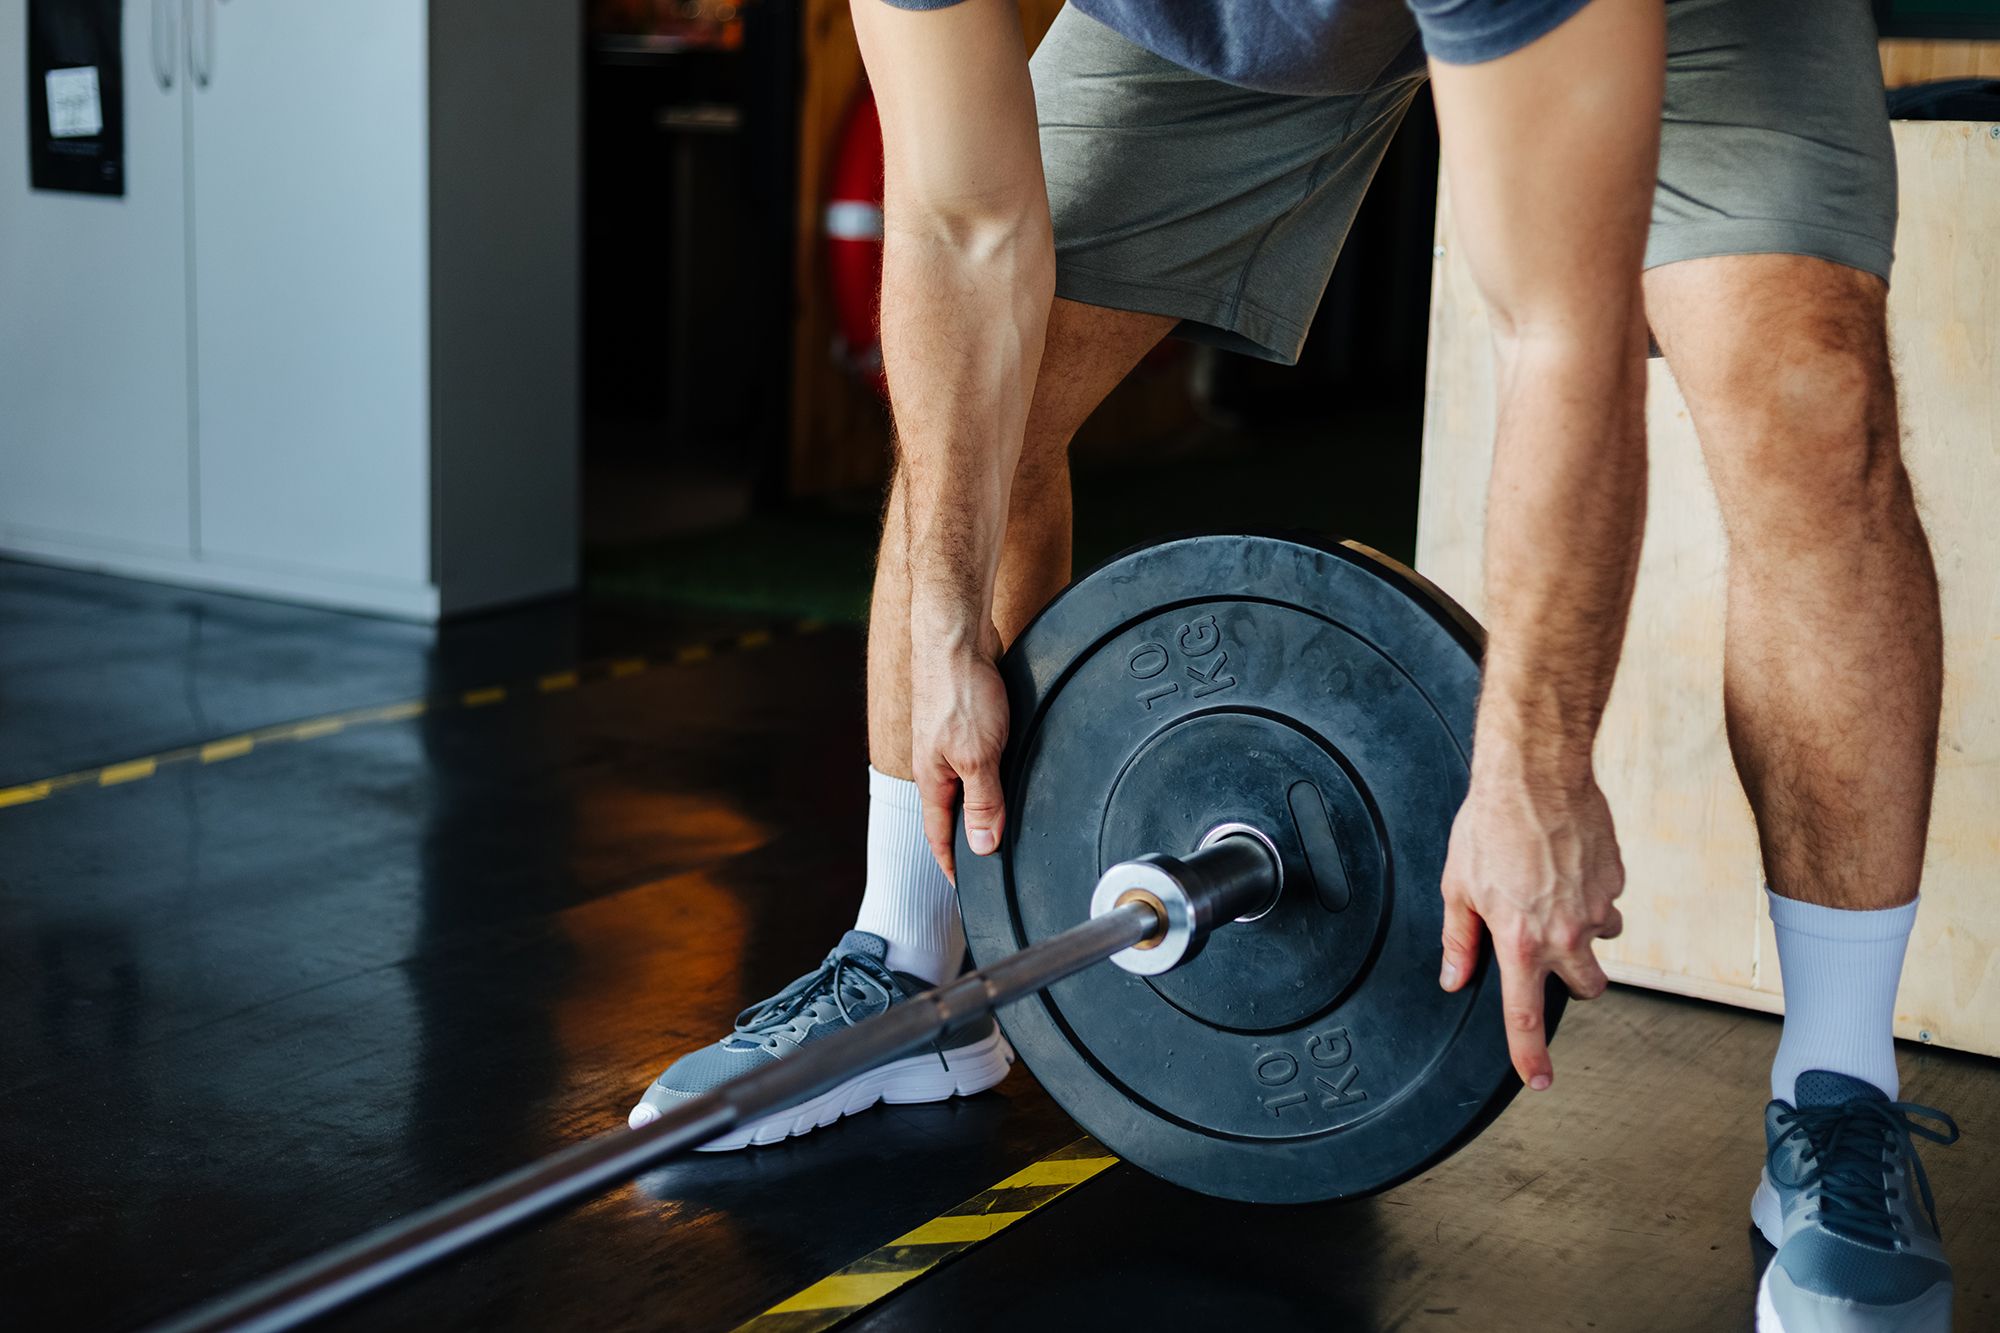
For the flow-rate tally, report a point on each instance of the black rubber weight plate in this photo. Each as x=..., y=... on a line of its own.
x=1321, y=693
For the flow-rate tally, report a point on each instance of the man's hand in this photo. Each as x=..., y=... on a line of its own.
x=958, y=725
x=1534, y=858
x=1551, y=156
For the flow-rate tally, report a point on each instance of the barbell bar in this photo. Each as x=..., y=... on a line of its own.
x=1156, y=907
x=1296, y=715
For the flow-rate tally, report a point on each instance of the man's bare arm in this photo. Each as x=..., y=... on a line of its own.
x=968, y=276
x=1551, y=156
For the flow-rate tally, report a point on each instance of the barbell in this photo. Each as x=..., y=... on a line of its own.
x=1234, y=760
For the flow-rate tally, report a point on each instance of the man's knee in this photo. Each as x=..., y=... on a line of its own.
x=1827, y=423
x=1088, y=351
x=1044, y=460
x=1799, y=419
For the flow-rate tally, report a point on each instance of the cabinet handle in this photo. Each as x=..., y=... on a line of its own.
x=164, y=43
x=201, y=56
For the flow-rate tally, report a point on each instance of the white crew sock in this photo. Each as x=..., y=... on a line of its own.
x=1839, y=970
x=908, y=901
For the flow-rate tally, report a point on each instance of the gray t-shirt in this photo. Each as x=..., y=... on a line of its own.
x=1317, y=46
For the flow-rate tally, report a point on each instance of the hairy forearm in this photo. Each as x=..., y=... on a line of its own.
x=1564, y=521
x=965, y=308
x=1551, y=154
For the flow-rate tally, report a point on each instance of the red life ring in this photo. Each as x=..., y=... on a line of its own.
x=853, y=226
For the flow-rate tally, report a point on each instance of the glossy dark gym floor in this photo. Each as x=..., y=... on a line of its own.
x=257, y=1004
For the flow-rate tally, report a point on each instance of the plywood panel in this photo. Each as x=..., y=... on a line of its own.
x=1905, y=61
x=1693, y=907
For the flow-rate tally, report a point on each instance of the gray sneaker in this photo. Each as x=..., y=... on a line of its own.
x=852, y=984
x=1854, y=1255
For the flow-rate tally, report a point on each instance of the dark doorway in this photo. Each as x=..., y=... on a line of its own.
x=689, y=129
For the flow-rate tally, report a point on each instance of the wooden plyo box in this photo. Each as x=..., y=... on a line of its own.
x=1693, y=905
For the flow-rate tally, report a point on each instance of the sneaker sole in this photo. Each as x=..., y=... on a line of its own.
x=1767, y=1213
x=1932, y=1312
x=963, y=1071
x=1767, y=1314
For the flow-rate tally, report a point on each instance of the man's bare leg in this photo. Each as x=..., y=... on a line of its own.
x=1833, y=647
x=1833, y=653
x=908, y=906
x=1088, y=351
x=907, y=900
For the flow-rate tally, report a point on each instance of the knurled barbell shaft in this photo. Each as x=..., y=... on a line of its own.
x=345, y=1274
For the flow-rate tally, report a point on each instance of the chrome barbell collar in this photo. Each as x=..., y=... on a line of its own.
x=1235, y=875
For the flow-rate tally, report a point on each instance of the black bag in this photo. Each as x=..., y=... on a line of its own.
x=1947, y=99
x=76, y=96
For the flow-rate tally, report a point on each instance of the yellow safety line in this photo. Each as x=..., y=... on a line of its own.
x=231, y=748
x=840, y=1296
x=129, y=771
x=312, y=728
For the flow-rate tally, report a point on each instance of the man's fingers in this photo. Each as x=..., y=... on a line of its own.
x=1614, y=924
x=1581, y=973
x=1521, y=1002
x=940, y=822
x=1461, y=942
x=985, y=806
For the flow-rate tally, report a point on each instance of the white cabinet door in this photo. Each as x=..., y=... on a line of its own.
x=309, y=162
x=93, y=320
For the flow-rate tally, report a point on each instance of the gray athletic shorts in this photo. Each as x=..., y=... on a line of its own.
x=1179, y=195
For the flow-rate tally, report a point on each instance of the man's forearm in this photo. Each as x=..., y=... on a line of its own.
x=1564, y=520
x=965, y=307
x=968, y=272
x=1551, y=153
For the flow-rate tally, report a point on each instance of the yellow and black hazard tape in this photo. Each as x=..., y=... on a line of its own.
x=840, y=1296
x=329, y=724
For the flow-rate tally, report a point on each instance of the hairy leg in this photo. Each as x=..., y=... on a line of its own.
x=1089, y=349
x=1833, y=656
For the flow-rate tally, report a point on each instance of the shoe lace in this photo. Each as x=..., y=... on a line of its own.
x=1846, y=1148
x=841, y=976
